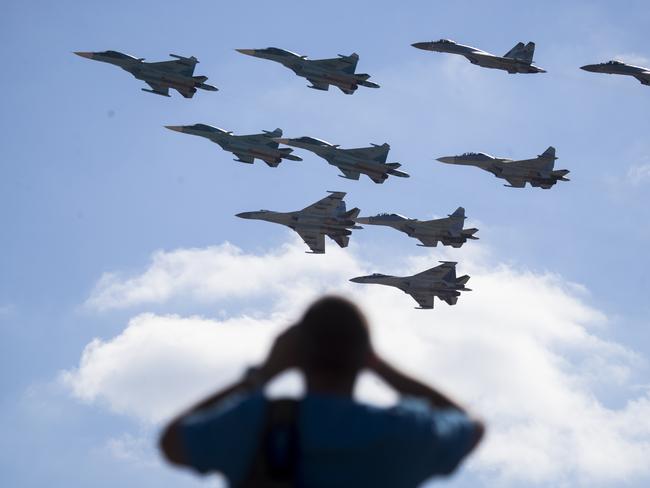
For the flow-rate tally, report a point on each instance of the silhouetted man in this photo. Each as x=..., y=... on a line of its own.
x=326, y=439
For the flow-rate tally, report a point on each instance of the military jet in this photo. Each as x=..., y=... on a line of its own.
x=438, y=282
x=619, y=68
x=321, y=73
x=449, y=230
x=162, y=76
x=326, y=217
x=246, y=147
x=370, y=161
x=538, y=172
x=518, y=60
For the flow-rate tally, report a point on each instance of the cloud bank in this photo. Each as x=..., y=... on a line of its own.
x=524, y=349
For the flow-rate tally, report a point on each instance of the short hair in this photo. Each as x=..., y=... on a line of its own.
x=335, y=337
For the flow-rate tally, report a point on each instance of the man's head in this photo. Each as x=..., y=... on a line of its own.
x=334, y=338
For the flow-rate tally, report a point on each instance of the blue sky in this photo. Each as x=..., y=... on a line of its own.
x=91, y=182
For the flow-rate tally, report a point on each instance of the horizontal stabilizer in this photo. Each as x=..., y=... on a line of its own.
x=352, y=214
x=393, y=165
x=462, y=279
x=200, y=78
x=469, y=233
x=451, y=300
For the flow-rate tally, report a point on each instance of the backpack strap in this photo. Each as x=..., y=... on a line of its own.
x=275, y=464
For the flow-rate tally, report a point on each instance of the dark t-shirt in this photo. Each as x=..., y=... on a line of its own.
x=343, y=443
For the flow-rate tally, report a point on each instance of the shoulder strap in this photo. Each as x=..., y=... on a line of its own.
x=276, y=461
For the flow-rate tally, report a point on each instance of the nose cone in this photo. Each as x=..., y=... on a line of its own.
x=246, y=215
x=358, y=279
x=590, y=67
x=427, y=46
x=250, y=52
x=84, y=54
x=447, y=159
x=177, y=128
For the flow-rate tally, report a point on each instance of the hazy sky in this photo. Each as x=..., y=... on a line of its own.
x=127, y=287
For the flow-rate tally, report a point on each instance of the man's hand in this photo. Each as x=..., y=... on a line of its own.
x=284, y=354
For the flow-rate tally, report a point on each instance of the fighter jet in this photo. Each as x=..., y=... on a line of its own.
x=162, y=76
x=449, y=230
x=438, y=282
x=619, y=68
x=246, y=147
x=321, y=73
x=326, y=217
x=518, y=60
x=370, y=161
x=538, y=172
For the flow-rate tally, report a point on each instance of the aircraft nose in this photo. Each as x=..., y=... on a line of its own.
x=84, y=54
x=245, y=215
x=588, y=67
x=177, y=128
x=250, y=52
x=421, y=45
x=447, y=159
x=358, y=279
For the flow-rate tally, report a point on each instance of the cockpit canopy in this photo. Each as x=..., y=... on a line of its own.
x=614, y=63
x=209, y=128
x=446, y=41
x=476, y=155
x=281, y=52
x=391, y=216
x=313, y=140
x=117, y=55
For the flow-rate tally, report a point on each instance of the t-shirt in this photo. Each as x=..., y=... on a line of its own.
x=342, y=443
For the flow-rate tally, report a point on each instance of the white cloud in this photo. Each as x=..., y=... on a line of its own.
x=133, y=449
x=524, y=349
x=639, y=174
x=218, y=272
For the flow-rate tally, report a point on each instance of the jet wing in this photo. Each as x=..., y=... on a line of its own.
x=375, y=153
x=439, y=272
x=347, y=64
x=328, y=205
x=425, y=301
x=158, y=88
x=644, y=78
x=244, y=158
x=516, y=182
x=181, y=67
x=314, y=240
